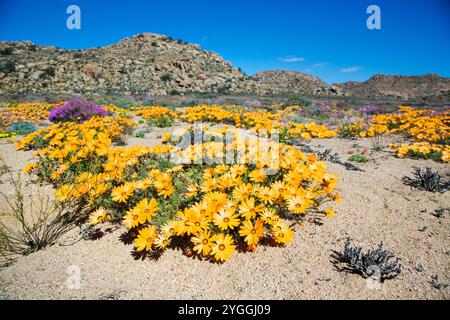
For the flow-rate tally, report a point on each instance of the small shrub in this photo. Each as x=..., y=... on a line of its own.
x=6, y=51
x=160, y=122
x=427, y=180
x=140, y=134
x=378, y=142
x=327, y=155
x=141, y=121
x=350, y=129
x=297, y=119
x=359, y=158
x=436, y=284
x=440, y=212
x=378, y=262
x=76, y=110
x=351, y=167
x=50, y=71
x=166, y=77
x=41, y=226
x=8, y=66
x=174, y=92
x=23, y=128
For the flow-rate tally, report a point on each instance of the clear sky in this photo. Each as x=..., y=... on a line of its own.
x=325, y=38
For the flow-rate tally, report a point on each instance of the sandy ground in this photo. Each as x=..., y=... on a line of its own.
x=376, y=207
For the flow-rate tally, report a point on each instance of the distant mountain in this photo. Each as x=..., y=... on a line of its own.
x=153, y=64
x=399, y=87
x=294, y=82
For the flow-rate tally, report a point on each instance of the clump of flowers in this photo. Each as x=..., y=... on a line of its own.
x=25, y=112
x=429, y=129
x=213, y=114
x=76, y=110
x=228, y=207
x=161, y=117
x=112, y=109
x=371, y=110
x=212, y=208
x=69, y=148
x=7, y=135
x=423, y=150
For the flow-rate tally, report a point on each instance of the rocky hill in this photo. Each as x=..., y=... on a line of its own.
x=295, y=82
x=144, y=64
x=399, y=87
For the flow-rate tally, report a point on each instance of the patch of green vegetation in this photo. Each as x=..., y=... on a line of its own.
x=160, y=122
x=6, y=51
x=8, y=66
x=140, y=134
x=23, y=128
x=166, y=77
x=360, y=158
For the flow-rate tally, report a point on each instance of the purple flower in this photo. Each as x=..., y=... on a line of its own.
x=76, y=110
x=371, y=109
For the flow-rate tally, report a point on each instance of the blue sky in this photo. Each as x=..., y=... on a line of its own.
x=328, y=39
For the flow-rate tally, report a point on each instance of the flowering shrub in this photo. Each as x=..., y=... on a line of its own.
x=76, y=110
x=216, y=209
x=158, y=116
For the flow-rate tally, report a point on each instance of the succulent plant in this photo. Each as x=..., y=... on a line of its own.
x=377, y=262
x=427, y=179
